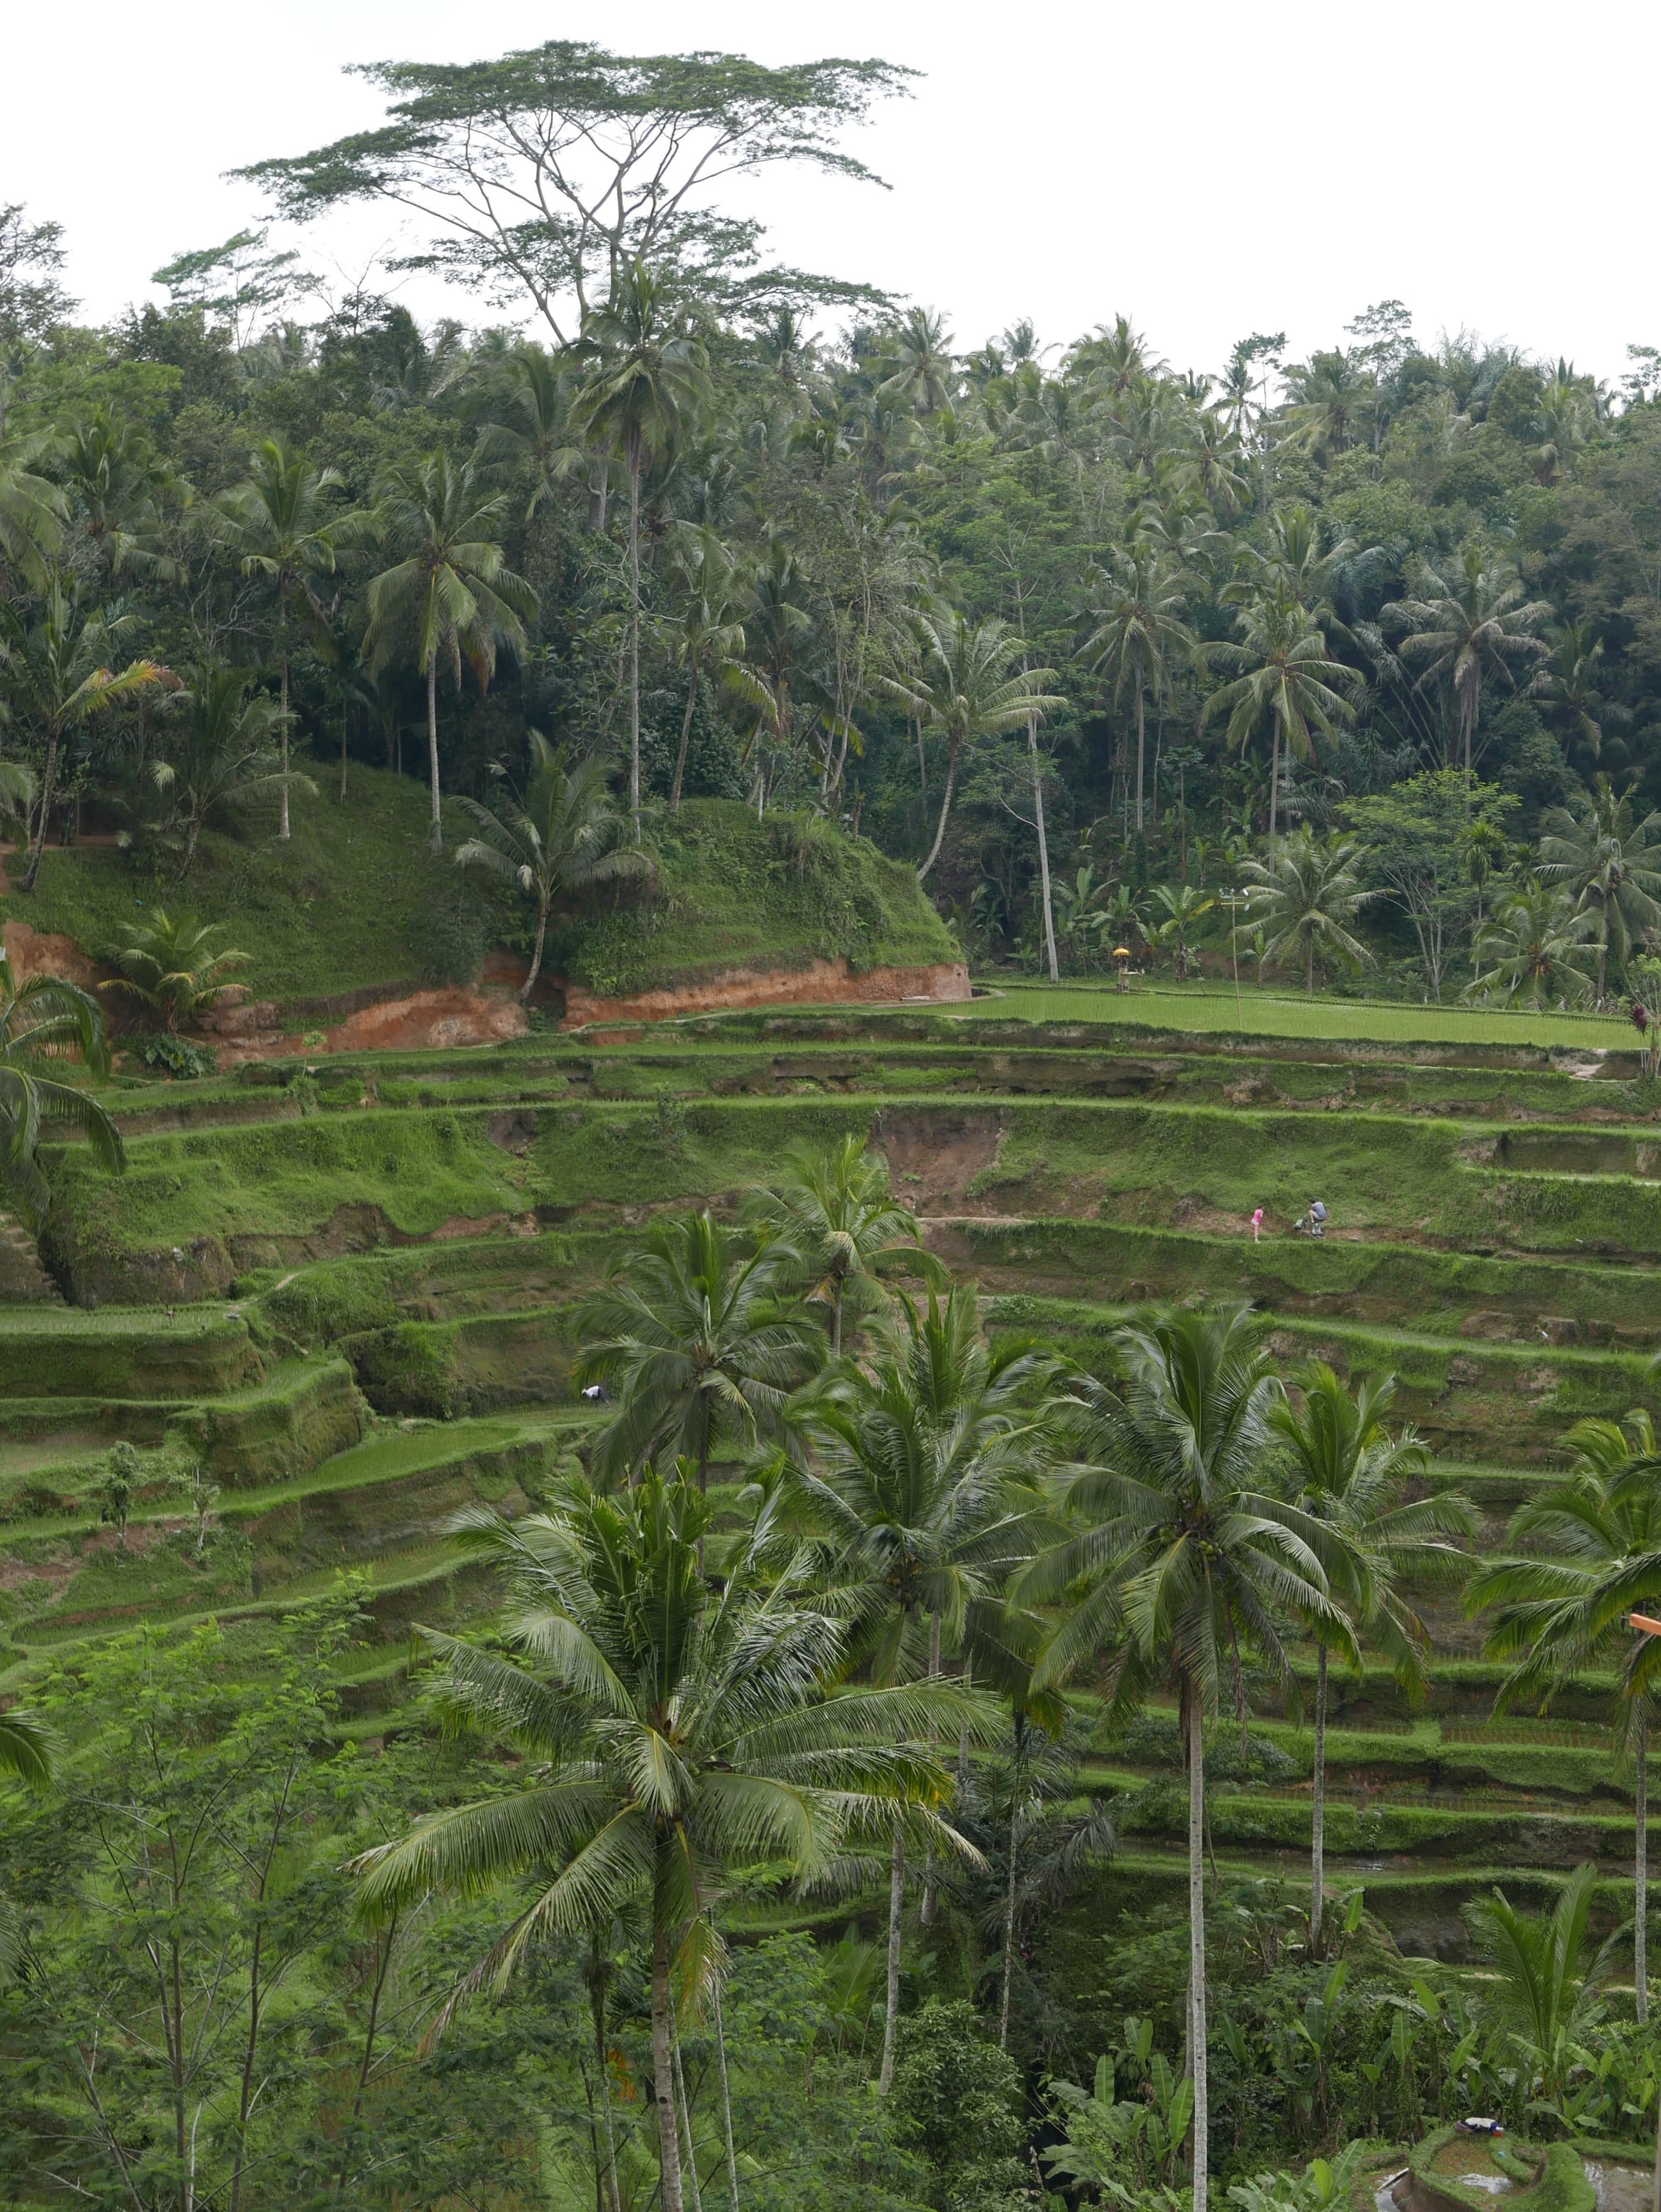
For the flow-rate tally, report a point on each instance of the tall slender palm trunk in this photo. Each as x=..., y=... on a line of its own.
x=283, y=660
x=1043, y=850
x=529, y=982
x=635, y=639
x=726, y=2103
x=663, y=2077
x=926, y=1912
x=1275, y=782
x=694, y=2189
x=1141, y=746
x=1640, y=1934
x=891, y=2015
x=1194, y=1732
x=685, y=739
x=48, y=792
x=433, y=749
x=945, y=808
x=1317, y=1815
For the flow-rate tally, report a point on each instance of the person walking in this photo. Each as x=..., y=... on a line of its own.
x=1257, y=1226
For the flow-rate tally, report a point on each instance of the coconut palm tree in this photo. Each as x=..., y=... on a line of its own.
x=705, y=631
x=561, y=836
x=666, y=1731
x=1302, y=895
x=451, y=593
x=55, y=676
x=1348, y=1472
x=44, y=1022
x=1538, y=945
x=168, y=962
x=700, y=1337
x=919, y=1477
x=838, y=1212
x=1470, y=624
x=919, y=347
x=26, y=1753
x=222, y=747
x=1286, y=674
x=969, y=689
x=1555, y=1616
x=33, y=511
x=1546, y=1976
x=1181, y=1559
x=1608, y=861
x=1569, y=682
x=279, y=522
x=1137, y=608
x=117, y=485
x=1328, y=402
x=648, y=382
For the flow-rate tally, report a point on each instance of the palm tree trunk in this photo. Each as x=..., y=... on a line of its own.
x=926, y=1912
x=384, y=1959
x=836, y=1320
x=891, y=2017
x=345, y=719
x=1640, y=1934
x=634, y=641
x=1043, y=849
x=945, y=809
x=611, y=2199
x=48, y=786
x=1317, y=1815
x=283, y=655
x=1141, y=744
x=530, y=983
x=686, y=738
x=433, y=748
x=1009, y=1900
x=726, y=2103
x=1274, y=782
x=922, y=762
x=663, y=2077
x=693, y=2188
x=1194, y=1730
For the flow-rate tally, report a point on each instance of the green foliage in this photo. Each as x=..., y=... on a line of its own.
x=957, y=2100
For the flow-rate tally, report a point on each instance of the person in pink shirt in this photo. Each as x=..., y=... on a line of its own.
x=1257, y=1226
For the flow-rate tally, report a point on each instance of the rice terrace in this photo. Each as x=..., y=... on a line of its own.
x=830, y=1214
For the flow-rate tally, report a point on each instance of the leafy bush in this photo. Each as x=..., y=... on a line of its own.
x=172, y=1055
x=957, y=2098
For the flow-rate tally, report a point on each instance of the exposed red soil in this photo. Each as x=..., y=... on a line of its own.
x=821, y=982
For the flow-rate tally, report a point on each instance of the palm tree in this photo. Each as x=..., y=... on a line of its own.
x=701, y=1338
x=26, y=1753
x=667, y=1731
x=452, y=593
x=969, y=690
x=1288, y=674
x=1555, y=1616
x=116, y=483
x=1349, y=1473
x=1484, y=849
x=647, y=381
x=55, y=675
x=837, y=1210
x=706, y=633
x=1328, y=400
x=1536, y=941
x=1181, y=1559
x=1467, y=626
x=168, y=963
x=45, y=1022
x=777, y=630
x=1608, y=861
x=1570, y=682
x=918, y=1457
x=278, y=520
x=920, y=348
x=560, y=838
x=531, y=420
x=1301, y=897
x=32, y=509
x=1544, y=1979
x=1138, y=631
x=224, y=747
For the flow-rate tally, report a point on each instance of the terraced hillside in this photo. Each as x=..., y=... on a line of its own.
x=344, y=1287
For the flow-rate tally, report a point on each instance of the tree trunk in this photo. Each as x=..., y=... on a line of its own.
x=726, y=2103
x=1317, y=1802
x=836, y=1319
x=282, y=653
x=890, y=2020
x=685, y=739
x=1274, y=783
x=384, y=1959
x=694, y=2187
x=345, y=719
x=945, y=809
x=433, y=749
x=922, y=762
x=48, y=786
x=1009, y=1908
x=530, y=983
x=1195, y=1748
x=634, y=641
x=1640, y=1934
x=926, y=1912
x=1140, y=747
x=1043, y=850
x=663, y=2077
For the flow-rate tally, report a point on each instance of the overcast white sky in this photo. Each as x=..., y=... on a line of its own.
x=1208, y=169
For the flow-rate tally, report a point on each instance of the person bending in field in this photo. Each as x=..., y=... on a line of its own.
x=1257, y=1226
